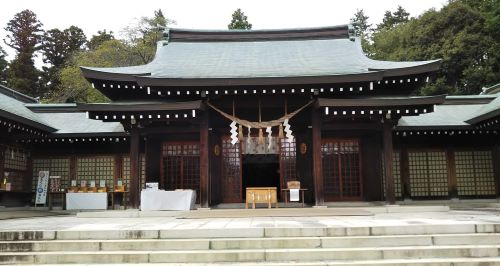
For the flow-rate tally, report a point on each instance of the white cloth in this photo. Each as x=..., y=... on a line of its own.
x=87, y=201
x=294, y=194
x=161, y=200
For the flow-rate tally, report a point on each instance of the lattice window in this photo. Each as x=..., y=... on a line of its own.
x=231, y=171
x=181, y=166
x=15, y=159
x=96, y=169
x=428, y=174
x=288, y=163
x=341, y=169
x=396, y=172
x=56, y=167
x=475, y=176
x=125, y=173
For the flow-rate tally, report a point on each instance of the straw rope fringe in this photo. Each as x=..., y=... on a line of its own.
x=264, y=124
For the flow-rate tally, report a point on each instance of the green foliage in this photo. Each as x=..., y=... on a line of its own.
x=74, y=88
x=459, y=34
x=24, y=34
x=395, y=18
x=239, y=21
x=143, y=36
x=3, y=67
x=360, y=23
x=99, y=39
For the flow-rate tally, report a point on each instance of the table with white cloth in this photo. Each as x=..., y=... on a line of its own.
x=161, y=200
x=87, y=201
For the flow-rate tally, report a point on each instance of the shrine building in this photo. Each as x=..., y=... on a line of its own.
x=220, y=111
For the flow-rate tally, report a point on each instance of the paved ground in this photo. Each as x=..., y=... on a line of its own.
x=159, y=223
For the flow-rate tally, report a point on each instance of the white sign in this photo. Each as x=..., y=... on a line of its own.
x=41, y=188
x=151, y=186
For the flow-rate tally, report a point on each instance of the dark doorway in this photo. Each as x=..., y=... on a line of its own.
x=260, y=170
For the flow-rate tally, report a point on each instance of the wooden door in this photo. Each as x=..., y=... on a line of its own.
x=231, y=172
x=341, y=161
x=181, y=165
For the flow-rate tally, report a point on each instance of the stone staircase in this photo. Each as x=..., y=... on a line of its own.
x=454, y=244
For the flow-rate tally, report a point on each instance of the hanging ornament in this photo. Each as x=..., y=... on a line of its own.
x=261, y=136
x=240, y=132
x=289, y=136
x=249, y=139
x=234, y=134
x=269, y=137
x=281, y=135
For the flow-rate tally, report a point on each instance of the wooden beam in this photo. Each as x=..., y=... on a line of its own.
x=316, y=150
x=388, y=153
x=204, y=167
x=135, y=171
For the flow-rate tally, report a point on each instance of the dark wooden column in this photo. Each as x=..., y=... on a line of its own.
x=388, y=153
x=204, y=152
x=452, y=176
x=135, y=171
x=2, y=160
x=319, y=199
x=405, y=174
x=496, y=165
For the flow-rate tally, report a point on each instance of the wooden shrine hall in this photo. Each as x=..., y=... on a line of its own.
x=221, y=111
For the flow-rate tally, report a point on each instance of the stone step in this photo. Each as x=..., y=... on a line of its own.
x=250, y=243
x=252, y=255
x=250, y=232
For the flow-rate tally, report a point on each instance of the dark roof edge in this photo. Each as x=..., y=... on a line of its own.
x=361, y=77
x=26, y=121
x=420, y=128
x=395, y=101
x=52, y=108
x=419, y=69
x=187, y=35
x=131, y=107
x=91, y=134
x=17, y=95
x=89, y=73
x=483, y=117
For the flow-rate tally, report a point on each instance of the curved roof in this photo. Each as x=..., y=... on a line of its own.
x=298, y=56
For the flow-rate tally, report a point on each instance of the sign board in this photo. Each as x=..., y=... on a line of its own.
x=41, y=188
x=151, y=186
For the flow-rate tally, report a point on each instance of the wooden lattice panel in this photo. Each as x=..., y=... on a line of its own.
x=428, y=173
x=231, y=171
x=56, y=167
x=125, y=173
x=475, y=176
x=341, y=169
x=288, y=162
x=95, y=168
x=15, y=159
x=181, y=166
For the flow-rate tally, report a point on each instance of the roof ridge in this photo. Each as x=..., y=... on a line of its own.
x=17, y=95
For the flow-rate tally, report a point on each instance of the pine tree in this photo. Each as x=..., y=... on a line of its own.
x=24, y=34
x=101, y=37
x=239, y=21
x=360, y=23
x=393, y=19
x=3, y=67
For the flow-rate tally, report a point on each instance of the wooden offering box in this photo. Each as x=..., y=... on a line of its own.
x=261, y=195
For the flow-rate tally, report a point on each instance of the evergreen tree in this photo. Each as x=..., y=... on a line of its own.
x=360, y=23
x=239, y=21
x=392, y=19
x=3, y=67
x=24, y=34
x=101, y=37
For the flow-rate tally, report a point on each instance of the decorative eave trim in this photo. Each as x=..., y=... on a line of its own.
x=374, y=102
x=420, y=69
x=26, y=121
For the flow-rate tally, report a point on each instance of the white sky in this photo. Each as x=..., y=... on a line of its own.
x=94, y=15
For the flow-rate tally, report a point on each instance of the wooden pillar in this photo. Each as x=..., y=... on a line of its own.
x=2, y=160
x=316, y=150
x=496, y=166
x=135, y=171
x=204, y=152
x=388, y=153
x=452, y=176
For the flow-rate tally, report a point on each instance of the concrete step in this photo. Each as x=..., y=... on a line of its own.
x=250, y=232
x=250, y=243
x=253, y=255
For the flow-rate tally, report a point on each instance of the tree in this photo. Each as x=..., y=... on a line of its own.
x=392, y=19
x=24, y=34
x=58, y=46
x=100, y=38
x=458, y=34
x=74, y=87
x=361, y=28
x=239, y=21
x=143, y=36
x=3, y=67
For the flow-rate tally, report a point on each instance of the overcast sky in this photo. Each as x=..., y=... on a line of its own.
x=94, y=15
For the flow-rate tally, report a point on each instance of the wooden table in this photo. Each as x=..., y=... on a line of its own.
x=261, y=195
x=284, y=191
x=124, y=196
x=59, y=194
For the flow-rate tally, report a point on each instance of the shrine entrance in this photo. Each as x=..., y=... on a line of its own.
x=260, y=170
